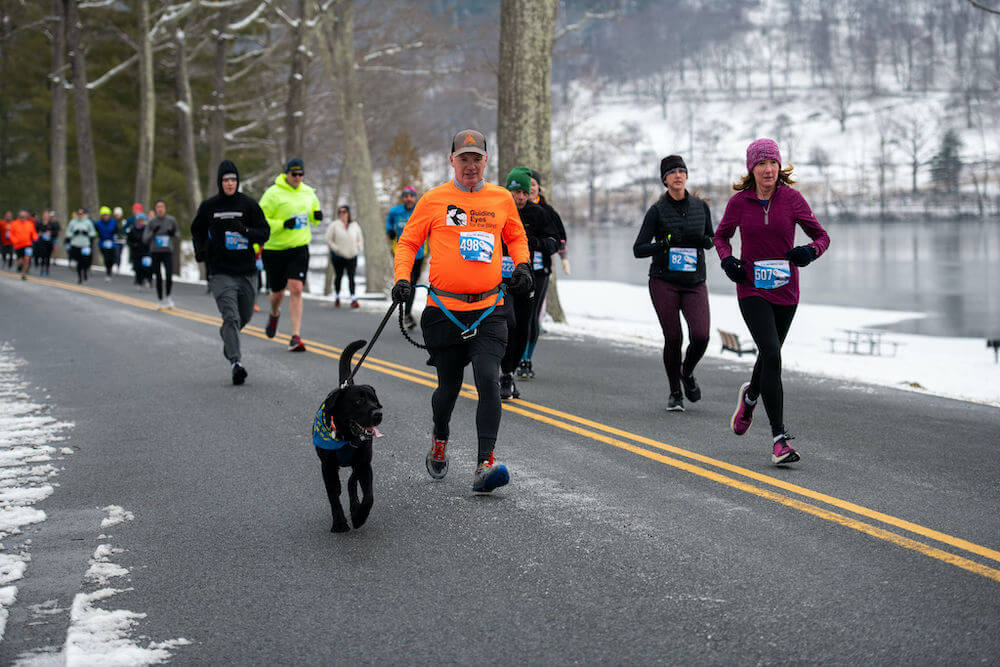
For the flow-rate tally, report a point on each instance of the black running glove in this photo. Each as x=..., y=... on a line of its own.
x=317, y=215
x=291, y=222
x=391, y=234
x=734, y=269
x=401, y=291
x=521, y=281
x=801, y=255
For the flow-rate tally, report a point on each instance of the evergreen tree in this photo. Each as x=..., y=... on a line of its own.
x=946, y=166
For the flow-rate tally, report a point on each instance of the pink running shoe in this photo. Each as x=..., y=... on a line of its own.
x=782, y=453
x=743, y=416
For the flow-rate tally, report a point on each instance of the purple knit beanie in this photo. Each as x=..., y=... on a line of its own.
x=762, y=149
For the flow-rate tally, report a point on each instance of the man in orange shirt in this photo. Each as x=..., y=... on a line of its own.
x=6, y=249
x=22, y=234
x=465, y=221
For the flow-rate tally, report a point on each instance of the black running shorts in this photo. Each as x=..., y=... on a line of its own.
x=284, y=265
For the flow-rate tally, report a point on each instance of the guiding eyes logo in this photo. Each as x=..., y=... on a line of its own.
x=456, y=217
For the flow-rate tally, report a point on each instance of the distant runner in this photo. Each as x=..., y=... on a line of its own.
x=766, y=209
x=223, y=233
x=291, y=208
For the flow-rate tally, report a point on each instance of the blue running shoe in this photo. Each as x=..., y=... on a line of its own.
x=490, y=475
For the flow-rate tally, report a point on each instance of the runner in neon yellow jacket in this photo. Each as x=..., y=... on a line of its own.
x=282, y=202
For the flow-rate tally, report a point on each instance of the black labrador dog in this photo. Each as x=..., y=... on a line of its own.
x=342, y=433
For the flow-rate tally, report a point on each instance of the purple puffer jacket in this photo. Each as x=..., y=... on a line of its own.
x=768, y=236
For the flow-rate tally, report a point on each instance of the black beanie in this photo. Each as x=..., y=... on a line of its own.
x=538, y=177
x=670, y=163
x=227, y=168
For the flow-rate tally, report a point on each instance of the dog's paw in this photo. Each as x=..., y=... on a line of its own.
x=340, y=526
x=359, y=516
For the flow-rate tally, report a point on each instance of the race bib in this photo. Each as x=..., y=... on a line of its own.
x=260, y=264
x=147, y=261
x=27, y=251
x=537, y=261
x=506, y=267
x=107, y=244
x=162, y=241
x=771, y=273
x=236, y=241
x=85, y=251
x=476, y=246
x=46, y=236
x=301, y=221
x=683, y=259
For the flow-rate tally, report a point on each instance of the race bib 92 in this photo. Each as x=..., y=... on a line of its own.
x=476, y=246
x=771, y=273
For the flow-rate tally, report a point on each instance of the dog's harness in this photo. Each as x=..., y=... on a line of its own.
x=470, y=331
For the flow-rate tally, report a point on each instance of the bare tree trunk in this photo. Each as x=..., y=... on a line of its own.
x=524, y=91
x=81, y=107
x=59, y=197
x=524, y=80
x=295, y=107
x=217, y=124
x=185, y=126
x=338, y=58
x=147, y=110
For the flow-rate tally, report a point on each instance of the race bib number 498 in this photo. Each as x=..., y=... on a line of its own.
x=476, y=246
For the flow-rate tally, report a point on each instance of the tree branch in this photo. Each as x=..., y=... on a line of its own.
x=983, y=7
x=125, y=64
x=587, y=18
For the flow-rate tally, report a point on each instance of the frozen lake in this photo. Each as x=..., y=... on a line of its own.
x=950, y=270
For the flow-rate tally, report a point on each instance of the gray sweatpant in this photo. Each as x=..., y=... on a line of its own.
x=234, y=295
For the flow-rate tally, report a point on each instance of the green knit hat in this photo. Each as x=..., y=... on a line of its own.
x=519, y=178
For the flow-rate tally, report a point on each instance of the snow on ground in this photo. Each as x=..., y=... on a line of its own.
x=27, y=471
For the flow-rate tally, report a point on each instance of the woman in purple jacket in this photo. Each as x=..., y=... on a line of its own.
x=766, y=210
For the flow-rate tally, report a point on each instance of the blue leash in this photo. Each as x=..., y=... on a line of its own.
x=471, y=330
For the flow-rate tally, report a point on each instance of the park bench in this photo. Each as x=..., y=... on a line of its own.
x=731, y=342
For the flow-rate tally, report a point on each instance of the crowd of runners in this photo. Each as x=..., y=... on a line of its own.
x=489, y=251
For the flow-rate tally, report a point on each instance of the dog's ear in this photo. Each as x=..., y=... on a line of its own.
x=345, y=359
x=328, y=405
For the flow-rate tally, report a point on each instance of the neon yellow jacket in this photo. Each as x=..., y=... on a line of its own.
x=281, y=202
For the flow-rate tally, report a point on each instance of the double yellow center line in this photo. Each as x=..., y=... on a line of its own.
x=749, y=481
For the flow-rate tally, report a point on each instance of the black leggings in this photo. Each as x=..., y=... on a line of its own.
x=537, y=303
x=517, y=309
x=165, y=259
x=450, y=363
x=340, y=265
x=768, y=325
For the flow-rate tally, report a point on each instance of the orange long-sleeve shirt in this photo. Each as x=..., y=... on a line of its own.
x=22, y=233
x=464, y=230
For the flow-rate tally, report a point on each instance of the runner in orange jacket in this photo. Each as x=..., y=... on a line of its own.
x=465, y=222
x=22, y=234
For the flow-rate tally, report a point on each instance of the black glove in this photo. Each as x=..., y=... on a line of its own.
x=391, y=234
x=170, y=232
x=317, y=215
x=401, y=291
x=734, y=269
x=291, y=222
x=801, y=255
x=521, y=281
x=199, y=256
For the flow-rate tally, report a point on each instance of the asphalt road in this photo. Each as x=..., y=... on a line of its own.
x=628, y=535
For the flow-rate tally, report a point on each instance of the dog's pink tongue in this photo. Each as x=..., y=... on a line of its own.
x=376, y=433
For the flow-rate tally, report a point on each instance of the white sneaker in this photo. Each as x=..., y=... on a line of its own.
x=107, y=279
x=169, y=302
x=161, y=305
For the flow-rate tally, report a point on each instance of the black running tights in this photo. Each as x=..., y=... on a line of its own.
x=450, y=363
x=166, y=260
x=768, y=325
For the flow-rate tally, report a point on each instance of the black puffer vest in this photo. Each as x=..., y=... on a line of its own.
x=686, y=229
